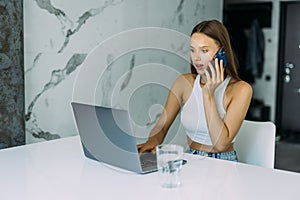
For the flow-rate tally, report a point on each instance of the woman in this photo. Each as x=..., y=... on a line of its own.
x=213, y=105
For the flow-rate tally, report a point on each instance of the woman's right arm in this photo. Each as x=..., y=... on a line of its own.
x=171, y=109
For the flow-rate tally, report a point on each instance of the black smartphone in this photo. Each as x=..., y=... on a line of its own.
x=221, y=55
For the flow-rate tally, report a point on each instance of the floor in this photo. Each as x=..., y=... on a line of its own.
x=287, y=155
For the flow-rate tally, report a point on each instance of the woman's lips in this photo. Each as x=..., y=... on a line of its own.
x=198, y=66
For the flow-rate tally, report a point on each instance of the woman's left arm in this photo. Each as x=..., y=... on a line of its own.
x=222, y=131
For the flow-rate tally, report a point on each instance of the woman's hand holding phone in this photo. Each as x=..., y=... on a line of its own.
x=215, y=71
x=219, y=56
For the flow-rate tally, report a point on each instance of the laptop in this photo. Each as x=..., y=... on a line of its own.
x=106, y=136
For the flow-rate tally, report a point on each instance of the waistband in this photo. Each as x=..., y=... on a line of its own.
x=229, y=155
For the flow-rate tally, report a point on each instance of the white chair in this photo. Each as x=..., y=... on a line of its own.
x=255, y=143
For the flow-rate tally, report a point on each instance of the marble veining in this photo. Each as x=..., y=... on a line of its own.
x=107, y=79
x=68, y=27
x=56, y=78
x=153, y=122
x=200, y=8
x=179, y=12
x=83, y=26
x=128, y=75
x=34, y=63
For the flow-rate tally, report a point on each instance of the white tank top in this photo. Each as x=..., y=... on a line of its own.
x=193, y=114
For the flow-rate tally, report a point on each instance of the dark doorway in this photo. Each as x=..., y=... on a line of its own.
x=288, y=93
x=245, y=22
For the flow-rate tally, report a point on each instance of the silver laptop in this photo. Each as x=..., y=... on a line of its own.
x=106, y=136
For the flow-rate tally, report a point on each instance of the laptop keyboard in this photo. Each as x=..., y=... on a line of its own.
x=148, y=160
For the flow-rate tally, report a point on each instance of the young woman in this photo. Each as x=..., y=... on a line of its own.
x=213, y=105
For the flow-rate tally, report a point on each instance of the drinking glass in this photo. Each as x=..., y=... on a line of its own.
x=169, y=163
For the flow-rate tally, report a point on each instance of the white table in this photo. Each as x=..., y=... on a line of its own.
x=58, y=170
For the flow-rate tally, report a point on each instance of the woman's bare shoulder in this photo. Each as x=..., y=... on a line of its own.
x=238, y=91
x=240, y=87
x=186, y=78
x=183, y=83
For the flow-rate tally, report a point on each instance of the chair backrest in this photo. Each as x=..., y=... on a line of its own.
x=255, y=143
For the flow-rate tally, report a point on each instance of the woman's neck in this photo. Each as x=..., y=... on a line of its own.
x=202, y=80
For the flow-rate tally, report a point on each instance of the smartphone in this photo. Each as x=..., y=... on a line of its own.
x=221, y=55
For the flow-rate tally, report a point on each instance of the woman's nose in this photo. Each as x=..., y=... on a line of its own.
x=197, y=57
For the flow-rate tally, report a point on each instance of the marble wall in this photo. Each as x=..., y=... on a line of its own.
x=12, y=127
x=119, y=53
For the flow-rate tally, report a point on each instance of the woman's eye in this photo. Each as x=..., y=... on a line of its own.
x=204, y=50
x=192, y=50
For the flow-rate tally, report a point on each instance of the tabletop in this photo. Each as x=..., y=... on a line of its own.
x=58, y=169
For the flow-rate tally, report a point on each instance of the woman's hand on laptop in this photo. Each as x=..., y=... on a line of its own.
x=150, y=146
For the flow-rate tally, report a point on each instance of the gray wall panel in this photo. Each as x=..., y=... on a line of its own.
x=12, y=128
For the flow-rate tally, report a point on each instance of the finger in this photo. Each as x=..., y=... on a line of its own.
x=213, y=68
x=222, y=70
x=207, y=74
x=153, y=151
x=145, y=148
x=219, y=70
x=208, y=69
x=140, y=145
x=141, y=151
x=221, y=63
x=216, y=63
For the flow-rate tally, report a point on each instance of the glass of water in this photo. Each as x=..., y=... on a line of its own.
x=169, y=163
